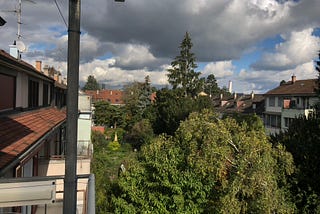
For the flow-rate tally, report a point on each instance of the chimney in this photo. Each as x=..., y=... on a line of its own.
x=39, y=65
x=221, y=96
x=14, y=50
x=230, y=86
x=252, y=95
x=235, y=96
x=293, y=79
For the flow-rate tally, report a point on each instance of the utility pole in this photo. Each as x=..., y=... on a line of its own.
x=70, y=180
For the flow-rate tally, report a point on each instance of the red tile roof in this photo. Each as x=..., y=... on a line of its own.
x=299, y=87
x=98, y=129
x=18, y=132
x=112, y=96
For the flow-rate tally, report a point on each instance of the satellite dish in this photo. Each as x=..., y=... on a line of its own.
x=21, y=46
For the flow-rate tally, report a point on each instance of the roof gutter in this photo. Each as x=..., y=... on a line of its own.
x=29, y=150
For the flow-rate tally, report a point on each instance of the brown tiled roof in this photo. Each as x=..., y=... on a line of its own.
x=21, y=62
x=299, y=87
x=112, y=96
x=242, y=104
x=18, y=132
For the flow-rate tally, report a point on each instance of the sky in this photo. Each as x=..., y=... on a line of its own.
x=253, y=43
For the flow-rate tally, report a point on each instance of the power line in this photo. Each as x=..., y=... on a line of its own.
x=55, y=1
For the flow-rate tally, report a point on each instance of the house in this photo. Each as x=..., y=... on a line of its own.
x=228, y=104
x=288, y=101
x=33, y=136
x=32, y=127
x=114, y=97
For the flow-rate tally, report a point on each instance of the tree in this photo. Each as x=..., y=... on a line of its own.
x=182, y=73
x=108, y=115
x=317, y=66
x=209, y=166
x=140, y=134
x=302, y=140
x=145, y=94
x=171, y=107
x=91, y=84
x=211, y=85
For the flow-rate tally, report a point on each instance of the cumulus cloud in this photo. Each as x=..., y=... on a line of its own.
x=298, y=48
x=141, y=37
x=105, y=72
x=219, y=69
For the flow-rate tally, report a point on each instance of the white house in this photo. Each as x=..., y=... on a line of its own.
x=287, y=101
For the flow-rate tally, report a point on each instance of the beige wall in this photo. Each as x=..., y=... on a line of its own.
x=22, y=90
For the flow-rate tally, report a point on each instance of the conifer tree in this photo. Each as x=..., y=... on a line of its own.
x=182, y=74
x=91, y=84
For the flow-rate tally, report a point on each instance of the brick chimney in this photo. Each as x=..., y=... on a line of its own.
x=39, y=65
x=293, y=79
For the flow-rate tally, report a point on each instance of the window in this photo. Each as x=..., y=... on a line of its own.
x=33, y=94
x=45, y=94
x=273, y=121
x=280, y=101
x=7, y=86
x=272, y=101
x=287, y=121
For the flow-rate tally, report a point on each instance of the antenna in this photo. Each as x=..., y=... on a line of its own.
x=18, y=11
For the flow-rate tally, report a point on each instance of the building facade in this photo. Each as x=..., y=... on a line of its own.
x=32, y=127
x=289, y=100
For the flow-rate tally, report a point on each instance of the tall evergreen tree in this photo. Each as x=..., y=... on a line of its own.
x=145, y=94
x=318, y=91
x=211, y=85
x=182, y=73
x=91, y=84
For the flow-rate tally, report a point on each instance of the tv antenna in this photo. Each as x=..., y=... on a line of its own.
x=18, y=12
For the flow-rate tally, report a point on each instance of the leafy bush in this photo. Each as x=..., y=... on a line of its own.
x=113, y=146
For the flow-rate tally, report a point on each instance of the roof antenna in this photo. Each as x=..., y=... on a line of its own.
x=18, y=11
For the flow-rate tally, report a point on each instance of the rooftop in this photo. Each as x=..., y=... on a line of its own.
x=19, y=132
x=295, y=87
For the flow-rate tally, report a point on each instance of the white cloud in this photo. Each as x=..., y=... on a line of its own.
x=105, y=72
x=219, y=69
x=298, y=48
x=134, y=55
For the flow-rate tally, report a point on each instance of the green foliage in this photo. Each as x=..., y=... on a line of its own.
x=145, y=95
x=210, y=166
x=141, y=133
x=302, y=140
x=113, y=145
x=98, y=139
x=211, y=85
x=105, y=165
x=108, y=115
x=172, y=107
x=317, y=66
x=91, y=84
x=251, y=121
x=137, y=100
x=182, y=73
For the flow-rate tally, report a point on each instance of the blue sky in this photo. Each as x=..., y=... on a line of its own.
x=253, y=43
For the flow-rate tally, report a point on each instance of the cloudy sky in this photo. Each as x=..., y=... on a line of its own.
x=253, y=43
